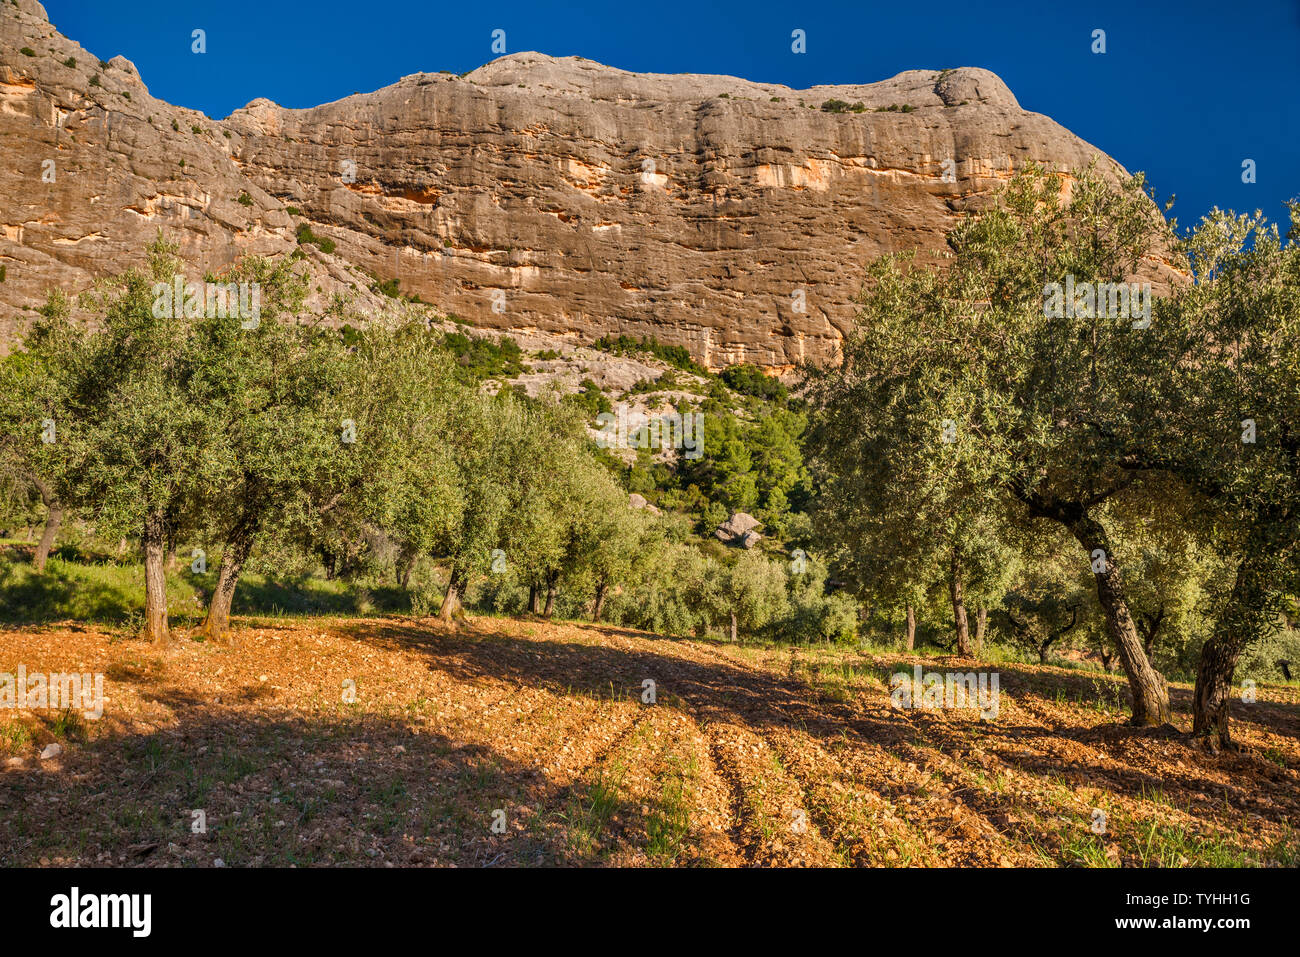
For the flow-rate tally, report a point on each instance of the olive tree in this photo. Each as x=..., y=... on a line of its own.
x=992, y=392
x=1220, y=409
x=33, y=411
x=136, y=449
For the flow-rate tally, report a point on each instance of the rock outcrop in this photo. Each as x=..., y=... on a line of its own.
x=541, y=194
x=739, y=531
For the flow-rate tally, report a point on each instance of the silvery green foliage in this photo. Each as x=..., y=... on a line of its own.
x=963, y=407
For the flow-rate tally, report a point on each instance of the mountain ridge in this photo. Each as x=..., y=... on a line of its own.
x=539, y=194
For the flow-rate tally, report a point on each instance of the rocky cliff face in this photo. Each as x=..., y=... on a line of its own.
x=534, y=194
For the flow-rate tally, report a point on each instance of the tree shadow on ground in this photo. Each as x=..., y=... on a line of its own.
x=307, y=595
x=715, y=690
x=344, y=788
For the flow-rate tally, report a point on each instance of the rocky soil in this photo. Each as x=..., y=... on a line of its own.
x=746, y=756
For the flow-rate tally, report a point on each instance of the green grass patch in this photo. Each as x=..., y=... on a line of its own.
x=112, y=593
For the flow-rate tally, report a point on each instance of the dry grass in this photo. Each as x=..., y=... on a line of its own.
x=748, y=757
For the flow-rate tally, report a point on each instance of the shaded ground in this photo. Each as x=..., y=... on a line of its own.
x=748, y=756
x=96, y=587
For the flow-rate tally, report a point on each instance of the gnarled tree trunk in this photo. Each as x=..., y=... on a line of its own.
x=451, y=606
x=911, y=627
x=403, y=565
x=550, y=597
x=599, y=604
x=955, y=589
x=216, y=625
x=155, y=579
x=1149, y=626
x=53, y=520
x=1150, y=692
x=1245, y=618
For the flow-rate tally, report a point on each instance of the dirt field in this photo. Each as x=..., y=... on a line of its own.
x=500, y=743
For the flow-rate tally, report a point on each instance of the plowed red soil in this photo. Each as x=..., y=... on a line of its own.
x=498, y=742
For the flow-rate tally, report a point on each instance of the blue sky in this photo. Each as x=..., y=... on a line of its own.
x=1186, y=90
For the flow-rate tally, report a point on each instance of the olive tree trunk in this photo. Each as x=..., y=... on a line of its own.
x=43, y=548
x=53, y=519
x=216, y=625
x=955, y=589
x=550, y=597
x=1245, y=618
x=403, y=565
x=155, y=579
x=1148, y=687
x=451, y=604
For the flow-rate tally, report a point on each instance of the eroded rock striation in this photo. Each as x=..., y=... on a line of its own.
x=536, y=194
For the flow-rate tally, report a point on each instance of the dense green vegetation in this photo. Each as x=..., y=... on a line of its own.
x=678, y=357
x=283, y=452
x=979, y=472
x=481, y=358
x=306, y=237
x=751, y=380
x=977, y=437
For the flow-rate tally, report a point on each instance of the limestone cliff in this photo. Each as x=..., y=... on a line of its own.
x=535, y=193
